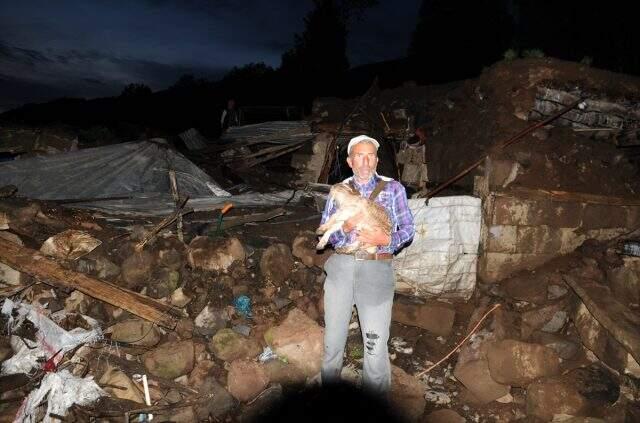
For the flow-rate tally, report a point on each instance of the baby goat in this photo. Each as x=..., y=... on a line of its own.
x=350, y=204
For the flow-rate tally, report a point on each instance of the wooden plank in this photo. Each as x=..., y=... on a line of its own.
x=328, y=161
x=579, y=197
x=50, y=272
x=176, y=199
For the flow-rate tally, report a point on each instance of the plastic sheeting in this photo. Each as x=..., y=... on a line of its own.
x=128, y=179
x=50, y=338
x=60, y=391
x=126, y=169
x=441, y=260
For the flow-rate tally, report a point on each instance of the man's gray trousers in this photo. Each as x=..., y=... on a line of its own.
x=369, y=284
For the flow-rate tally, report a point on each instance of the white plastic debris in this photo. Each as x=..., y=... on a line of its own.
x=60, y=390
x=267, y=354
x=50, y=337
x=400, y=345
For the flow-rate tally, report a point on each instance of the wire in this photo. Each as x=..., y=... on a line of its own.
x=461, y=342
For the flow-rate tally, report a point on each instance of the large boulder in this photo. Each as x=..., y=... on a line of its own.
x=444, y=416
x=170, y=252
x=246, y=379
x=304, y=249
x=599, y=340
x=228, y=345
x=170, y=360
x=216, y=401
x=625, y=281
x=475, y=376
x=407, y=394
x=276, y=263
x=284, y=373
x=549, y=318
x=554, y=396
x=214, y=254
x=210, y=320
x=136, y=332
x=472, y=369
x=117, y=384
x=298, y=339
x=519, y=363
x=136, y=269
x=435, y=316
x=525, y=289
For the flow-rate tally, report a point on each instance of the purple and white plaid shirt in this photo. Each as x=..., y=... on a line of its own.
x=394, y=199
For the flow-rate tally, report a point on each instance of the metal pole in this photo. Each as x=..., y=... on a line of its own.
x=500, y=146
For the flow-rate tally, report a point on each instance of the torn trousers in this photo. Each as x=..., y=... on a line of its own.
x=369, y=285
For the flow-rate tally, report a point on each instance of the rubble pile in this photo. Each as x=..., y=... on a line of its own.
x=187, y=307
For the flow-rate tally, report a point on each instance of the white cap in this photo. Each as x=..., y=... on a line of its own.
x=359, y=139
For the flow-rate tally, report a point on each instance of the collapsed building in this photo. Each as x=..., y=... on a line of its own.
x=165, y=303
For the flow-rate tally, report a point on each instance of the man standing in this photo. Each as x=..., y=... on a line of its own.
x=229, y=116
x=366, y=280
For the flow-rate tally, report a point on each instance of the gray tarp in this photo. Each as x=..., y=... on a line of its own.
x=138, y=170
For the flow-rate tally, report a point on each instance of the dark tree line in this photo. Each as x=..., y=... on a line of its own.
x=453, y=39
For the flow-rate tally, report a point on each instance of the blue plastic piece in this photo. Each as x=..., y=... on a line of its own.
x=243, y=305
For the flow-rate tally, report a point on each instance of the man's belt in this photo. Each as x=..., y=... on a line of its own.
x=363, y=255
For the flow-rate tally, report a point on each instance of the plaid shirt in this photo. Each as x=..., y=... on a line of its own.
x=394, y=199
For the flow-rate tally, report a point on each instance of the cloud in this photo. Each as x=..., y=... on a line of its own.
x=80, y=72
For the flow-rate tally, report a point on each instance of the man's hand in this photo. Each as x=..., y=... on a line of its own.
x=351, y=223
x=375, y=236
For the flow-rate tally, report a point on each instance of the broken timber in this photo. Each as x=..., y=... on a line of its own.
x=622, y=323
x=50, y=272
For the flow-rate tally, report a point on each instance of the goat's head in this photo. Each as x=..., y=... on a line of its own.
x=341, y=193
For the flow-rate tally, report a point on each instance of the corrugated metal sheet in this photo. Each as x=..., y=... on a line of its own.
x=276, y=132
x=193, y=139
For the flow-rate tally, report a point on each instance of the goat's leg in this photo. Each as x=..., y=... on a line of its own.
x=328, y=231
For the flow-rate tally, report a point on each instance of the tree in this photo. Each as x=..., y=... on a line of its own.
x=318, y=60
x=455, y=39
x=136, y=91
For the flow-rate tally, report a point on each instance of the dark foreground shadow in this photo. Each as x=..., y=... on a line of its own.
x=336, y=403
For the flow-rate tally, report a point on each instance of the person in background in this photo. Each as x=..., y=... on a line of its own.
x=229, y=116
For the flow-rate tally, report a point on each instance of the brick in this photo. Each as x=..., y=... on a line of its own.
x=502, y=239
x=538, y=239
x=605, y=234
x=633, y=216
x=598, y=216
x=564, y=214
x=510, y=211
x=494, y=267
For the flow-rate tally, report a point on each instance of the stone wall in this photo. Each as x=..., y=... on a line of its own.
x=523, y=228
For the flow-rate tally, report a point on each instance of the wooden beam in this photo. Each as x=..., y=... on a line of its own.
x=621, y=322
x=579, y=197
x=46, y=270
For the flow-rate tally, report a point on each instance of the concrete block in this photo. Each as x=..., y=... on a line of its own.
x=493, y=267
x=501, y=239
x=633, y=216
x=510, y=211
x=538, y=239
x=598, y=216
x=564, y=214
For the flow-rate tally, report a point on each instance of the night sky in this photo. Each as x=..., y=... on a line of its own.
x=74, y=48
